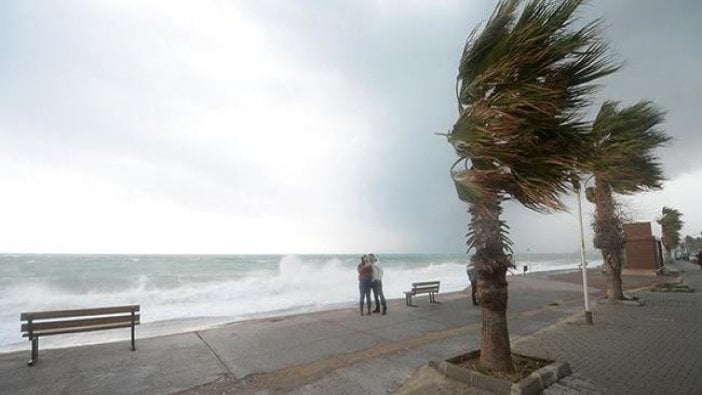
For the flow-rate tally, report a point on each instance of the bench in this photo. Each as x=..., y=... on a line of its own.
x=49, y=323
x=427, y=287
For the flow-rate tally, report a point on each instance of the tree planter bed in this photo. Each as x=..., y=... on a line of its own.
x=679, y=286
x=624, y=302
x=534, y=374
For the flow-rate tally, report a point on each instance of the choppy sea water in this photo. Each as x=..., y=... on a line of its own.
x=181, y=292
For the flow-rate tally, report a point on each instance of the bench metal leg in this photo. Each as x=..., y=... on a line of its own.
x=432, y=298
x=133, y=345
x=408, y=300
x=35, y=352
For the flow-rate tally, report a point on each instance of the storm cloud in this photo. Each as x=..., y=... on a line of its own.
x=283, y=126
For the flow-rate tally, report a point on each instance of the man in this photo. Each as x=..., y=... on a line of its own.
x=378, y=285
x=470, y=271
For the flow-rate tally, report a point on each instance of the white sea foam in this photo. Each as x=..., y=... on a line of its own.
x=176, y=296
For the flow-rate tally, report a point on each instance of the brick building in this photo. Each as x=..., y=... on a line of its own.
x=643, y=250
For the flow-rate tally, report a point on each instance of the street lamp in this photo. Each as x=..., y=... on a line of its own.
x=583, y=262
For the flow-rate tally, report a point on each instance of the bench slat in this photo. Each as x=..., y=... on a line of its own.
x=77, y=313
x=40, y=326
x=424, y=290
x=425, y=283
x=49, y=332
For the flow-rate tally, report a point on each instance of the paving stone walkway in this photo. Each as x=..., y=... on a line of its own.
x=651, y=349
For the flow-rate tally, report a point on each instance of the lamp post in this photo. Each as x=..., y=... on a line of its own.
x=583, y=262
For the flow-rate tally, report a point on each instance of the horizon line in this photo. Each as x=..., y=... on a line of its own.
x=280, y=253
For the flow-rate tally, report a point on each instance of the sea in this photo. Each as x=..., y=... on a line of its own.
x=180, y=293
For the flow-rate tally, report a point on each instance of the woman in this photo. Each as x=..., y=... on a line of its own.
x=365, y=277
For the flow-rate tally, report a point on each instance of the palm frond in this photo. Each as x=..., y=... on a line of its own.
x=623, y=143
x=671, y=224
x=481, y=44
x=522, y=83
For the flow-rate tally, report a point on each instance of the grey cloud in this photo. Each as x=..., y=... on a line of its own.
x=409, y=65
x=659, y=43
x=82, y=85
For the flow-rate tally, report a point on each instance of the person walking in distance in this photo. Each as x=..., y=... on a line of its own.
x=365, y=278
x=470, y=271
x=378, y=285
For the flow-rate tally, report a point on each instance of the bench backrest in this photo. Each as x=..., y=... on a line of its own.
x=426, y=286
x=44, y=323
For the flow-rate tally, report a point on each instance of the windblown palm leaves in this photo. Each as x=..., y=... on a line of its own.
x=671, y=224
x=621, y=160
x=521, y=85
x=522, y=82
x=623, y=142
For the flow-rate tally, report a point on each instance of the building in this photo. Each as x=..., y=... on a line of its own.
x=643, y=250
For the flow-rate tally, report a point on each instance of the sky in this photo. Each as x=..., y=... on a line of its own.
x=281, y=126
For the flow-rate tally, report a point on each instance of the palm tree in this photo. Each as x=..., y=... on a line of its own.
x=621, y=160
x=521, y=84
x=671, y=224
x=693, y=244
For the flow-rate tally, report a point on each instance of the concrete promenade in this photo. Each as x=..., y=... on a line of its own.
x=341, y=352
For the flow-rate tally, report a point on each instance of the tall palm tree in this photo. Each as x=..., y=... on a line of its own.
x=522, y=81
x=671, y=224
x=621, y=160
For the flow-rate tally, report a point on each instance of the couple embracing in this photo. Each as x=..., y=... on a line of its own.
x=370, y=276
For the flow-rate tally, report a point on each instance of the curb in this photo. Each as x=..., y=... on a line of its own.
x=533, y=384
x=625, y=302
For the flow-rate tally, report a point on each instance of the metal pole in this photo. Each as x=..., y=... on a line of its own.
x=583, y=262
x=133, y=323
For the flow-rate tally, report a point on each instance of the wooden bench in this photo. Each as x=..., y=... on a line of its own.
x=427, y=287
x=49, y=323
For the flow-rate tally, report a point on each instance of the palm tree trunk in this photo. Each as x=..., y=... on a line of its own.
x=609, y=238
x=668, y=256
x=613, y=265
x=491, y=265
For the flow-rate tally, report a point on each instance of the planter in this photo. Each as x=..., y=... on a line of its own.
x=534, y=383
x=625, y=302
x=678, y=286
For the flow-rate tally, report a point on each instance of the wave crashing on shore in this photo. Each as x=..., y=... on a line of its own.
x=180, y=293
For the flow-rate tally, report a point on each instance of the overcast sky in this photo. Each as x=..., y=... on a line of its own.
x=284, y=126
